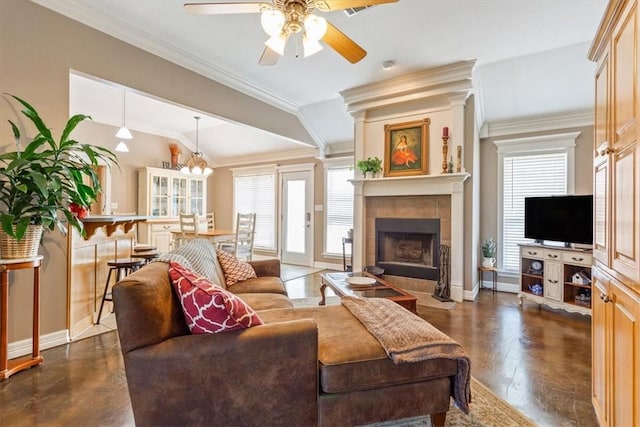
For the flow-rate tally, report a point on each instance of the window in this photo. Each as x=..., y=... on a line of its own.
x=536, y=166
x=255, y=191
x=338, y=204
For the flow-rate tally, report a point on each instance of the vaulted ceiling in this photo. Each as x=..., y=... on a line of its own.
x=530, y=58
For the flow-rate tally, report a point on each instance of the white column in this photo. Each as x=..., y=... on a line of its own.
x=358, y=200
x=457, y=125
x=456, y=252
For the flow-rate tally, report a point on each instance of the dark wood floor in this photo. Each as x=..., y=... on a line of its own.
x=537, y=359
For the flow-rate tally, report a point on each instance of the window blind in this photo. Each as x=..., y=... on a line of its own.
x=526, y=176
x=339, y=208
x=257, y=193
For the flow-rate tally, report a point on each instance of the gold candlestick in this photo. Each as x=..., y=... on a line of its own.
x=459, y=159
x=445, y=151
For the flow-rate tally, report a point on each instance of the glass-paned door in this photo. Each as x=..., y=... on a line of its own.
x=179, y=196
x=160, y=196
x=297, y=208
x=196, y=196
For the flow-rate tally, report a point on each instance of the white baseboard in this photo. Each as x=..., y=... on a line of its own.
x=472, y=294
x=23, y=347
x=513, y=288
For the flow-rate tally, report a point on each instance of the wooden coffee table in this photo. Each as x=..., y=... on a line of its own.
x=381, y=289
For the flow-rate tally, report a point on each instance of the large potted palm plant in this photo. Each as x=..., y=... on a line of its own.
x=43, y=182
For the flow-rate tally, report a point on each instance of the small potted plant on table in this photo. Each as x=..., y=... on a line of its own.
x=45, y=183
x=489, y=253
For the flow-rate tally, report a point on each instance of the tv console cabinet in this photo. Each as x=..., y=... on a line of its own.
x=557, y=277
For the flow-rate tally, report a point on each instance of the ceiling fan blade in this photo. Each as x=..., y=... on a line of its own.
x=327, y=5
x=268, y=57
x=224, y=8
x=342, y=44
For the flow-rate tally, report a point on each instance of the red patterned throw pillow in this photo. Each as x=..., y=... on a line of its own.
x=234, y=269
x=208, y=308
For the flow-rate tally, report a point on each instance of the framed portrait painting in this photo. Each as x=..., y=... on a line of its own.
x=406, y=148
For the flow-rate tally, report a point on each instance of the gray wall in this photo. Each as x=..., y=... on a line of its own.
x=38, y=49
x=489, y=177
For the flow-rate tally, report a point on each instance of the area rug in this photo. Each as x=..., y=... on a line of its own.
x=487, y=410
x=427, y=300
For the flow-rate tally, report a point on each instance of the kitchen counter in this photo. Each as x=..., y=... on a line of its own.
x=110, y=223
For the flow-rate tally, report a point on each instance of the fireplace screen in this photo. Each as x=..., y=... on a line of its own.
x=408, y=246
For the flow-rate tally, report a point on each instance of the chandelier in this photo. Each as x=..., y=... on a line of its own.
x=291, y=17
x=196, y=165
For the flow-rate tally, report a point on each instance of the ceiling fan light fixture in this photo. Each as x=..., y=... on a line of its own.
x=276, y=43
x=315, y=27
x=272, y=21
x=310, y=46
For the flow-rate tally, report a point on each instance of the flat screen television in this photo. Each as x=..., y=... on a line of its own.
x=566, y=219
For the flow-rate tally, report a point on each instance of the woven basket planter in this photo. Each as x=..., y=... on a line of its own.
x=27, y=247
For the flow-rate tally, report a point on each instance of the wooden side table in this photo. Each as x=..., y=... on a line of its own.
x=494, y=272
x=10, y=367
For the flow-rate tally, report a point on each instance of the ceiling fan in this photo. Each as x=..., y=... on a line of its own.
x=284, y=18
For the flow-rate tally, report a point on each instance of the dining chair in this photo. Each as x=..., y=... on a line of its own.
x=188, y=228
x=242, y=244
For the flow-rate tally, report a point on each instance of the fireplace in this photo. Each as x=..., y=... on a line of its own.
x=408, y=247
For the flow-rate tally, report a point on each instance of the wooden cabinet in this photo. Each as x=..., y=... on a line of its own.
x=615, y=351
x=602, y=126
x=616, y=200
x=559, y=278
x=162, y=195
x=599, y=337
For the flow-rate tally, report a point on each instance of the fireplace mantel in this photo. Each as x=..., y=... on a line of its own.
x=421, y=185
x=411, y=185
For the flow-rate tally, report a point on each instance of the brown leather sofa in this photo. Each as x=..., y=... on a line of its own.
x=303, y=367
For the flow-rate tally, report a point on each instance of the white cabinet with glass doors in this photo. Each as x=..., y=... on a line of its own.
x=162, y=195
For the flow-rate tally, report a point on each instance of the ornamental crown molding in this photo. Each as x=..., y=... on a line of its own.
x=542, y=123
x=448, y=79
x=87, y=14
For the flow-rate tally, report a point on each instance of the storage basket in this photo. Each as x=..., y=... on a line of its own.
x=27, y=247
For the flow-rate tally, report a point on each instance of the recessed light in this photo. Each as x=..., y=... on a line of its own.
x=387, y=65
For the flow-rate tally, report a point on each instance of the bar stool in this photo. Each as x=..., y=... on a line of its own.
x=122, y=267
x=147, y=256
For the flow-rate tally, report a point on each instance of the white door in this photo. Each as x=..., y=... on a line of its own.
x=297, y=218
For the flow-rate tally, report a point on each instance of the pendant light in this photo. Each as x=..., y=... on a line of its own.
x=122, y=147
x=123, y=132
x=196, y=165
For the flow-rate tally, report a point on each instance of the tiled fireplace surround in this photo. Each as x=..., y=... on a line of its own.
x=424, y=207
x=426, y=196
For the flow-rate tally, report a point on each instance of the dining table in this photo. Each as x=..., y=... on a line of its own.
x=214, y=234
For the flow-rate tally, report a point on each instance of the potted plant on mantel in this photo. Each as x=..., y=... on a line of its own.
x=489, y=253
x=371, y=164
x=43, y=184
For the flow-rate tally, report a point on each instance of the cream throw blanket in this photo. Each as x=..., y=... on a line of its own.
x=408, y=338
